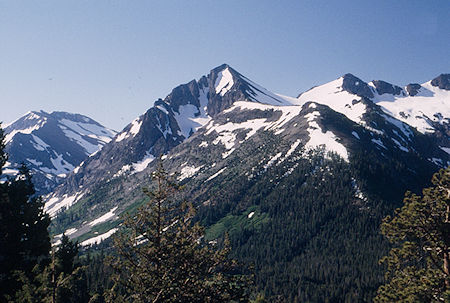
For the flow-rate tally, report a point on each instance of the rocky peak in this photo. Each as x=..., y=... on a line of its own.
x=442, y=81
x=356, y=86
x=225, y=87
x=383, y=87
x=413, y=89
x=184, y=94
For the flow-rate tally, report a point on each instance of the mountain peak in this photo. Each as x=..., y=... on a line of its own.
x=356, y=86
x=442, y=81
x=383, y=87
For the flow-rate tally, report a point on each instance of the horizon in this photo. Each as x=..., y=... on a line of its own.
x=111, y=61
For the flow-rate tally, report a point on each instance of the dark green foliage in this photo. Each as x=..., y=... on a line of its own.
x=418, y=266
x=161, y=257
x=24, y=239
x=66, y=253
x=311, y=238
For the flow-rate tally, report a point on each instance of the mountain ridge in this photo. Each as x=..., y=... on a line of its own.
x=52, y=144
x=200, y=104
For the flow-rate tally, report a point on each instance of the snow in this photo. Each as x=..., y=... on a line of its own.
x=272, y=160
x=216, y=174
x=88, y=146
x=227, y=153
x=405, y=128
x=141, y=165
x=54, y=204
x=250, y=215
x=134, y=128
x=60, y=165
x=27, y=131
x=40, y=144
x=123, y=170
x=92, y=130
x=70, y=231
x=190, y=118
x=292, y=149
x=355, y=134
x=419, y=110
x=319, y=138
x=262, y=95
x=226, y=132
x=379, y=142
x=332, y=95
x=99, y=238
x=446, y=149
x=121, y=136
x=224, y=82
x=403, y=148
x=203, y=144
x=437, y=161
x=34, y=162
x=188, y=171
x=161, y=108
x=106, y=217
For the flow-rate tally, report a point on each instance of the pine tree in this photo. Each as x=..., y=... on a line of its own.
x=24, y=239
x=418, y=267
x=65, y=255
x=161, y=257
x=61, y=281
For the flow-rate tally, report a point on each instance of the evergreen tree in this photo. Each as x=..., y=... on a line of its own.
x=161, y=257
x=418, y=267
x=61, y=281
x=65, y=255
x=24, y=239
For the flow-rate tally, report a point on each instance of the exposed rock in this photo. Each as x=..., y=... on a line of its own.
x=413, y=89
x=356, y=86
x=383, y=87
x=442, y=81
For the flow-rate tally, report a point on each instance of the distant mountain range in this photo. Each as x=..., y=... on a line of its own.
x=52, y=145
x=203, y=123
x=290, y=178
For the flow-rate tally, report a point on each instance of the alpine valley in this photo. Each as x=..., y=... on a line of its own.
x=300, y=184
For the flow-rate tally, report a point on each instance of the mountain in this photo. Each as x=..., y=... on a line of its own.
x=52, y=145
x=167, y=124
x=295, y=181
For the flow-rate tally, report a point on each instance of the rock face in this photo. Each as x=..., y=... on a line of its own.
x=356, y=86
x=442, y=81
x=52, y=144
x=413, y=89
x=167, y=124
x=383, y=87
x=211, y=118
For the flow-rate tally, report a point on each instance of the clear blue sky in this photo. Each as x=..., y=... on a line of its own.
x=111, y=59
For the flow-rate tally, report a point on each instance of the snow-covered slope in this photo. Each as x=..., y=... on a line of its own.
x=206, y=128
x=425, y=107
x=428, y=107
x=165, y=125
x=52, y=144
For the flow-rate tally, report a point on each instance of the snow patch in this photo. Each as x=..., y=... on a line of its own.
x=216, y=174
x=224, y=82
x=141, y=165
x=379, y=143
x=106, y=217
x=188, y=171
x=99, y=238
x=319, y=138
x=190, y=118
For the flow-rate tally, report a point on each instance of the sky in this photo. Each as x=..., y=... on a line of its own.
x=110, y=60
